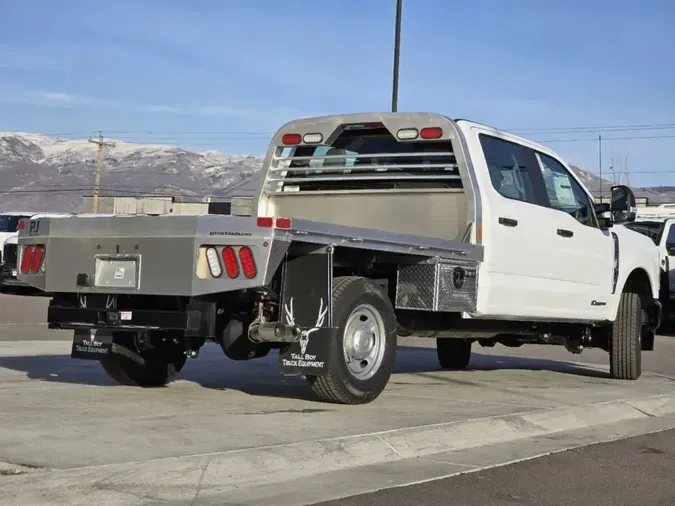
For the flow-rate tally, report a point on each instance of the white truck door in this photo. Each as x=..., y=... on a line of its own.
x=669, y=245
x=517, y=258
x=581, y=253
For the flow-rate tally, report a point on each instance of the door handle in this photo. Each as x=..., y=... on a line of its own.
x=565, y=233
x=509, y=222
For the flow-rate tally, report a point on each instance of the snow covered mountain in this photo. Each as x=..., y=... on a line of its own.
x=39, y=172
x=42, y=173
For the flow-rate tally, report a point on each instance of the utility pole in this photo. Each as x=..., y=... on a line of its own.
x=627, y=170
x=397, y=55
x=97, y=177
x=600, y=162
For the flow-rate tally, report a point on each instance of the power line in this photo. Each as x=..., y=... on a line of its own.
x=215, y=141
x=606, y=128
x=219, y=133
x=595, y=139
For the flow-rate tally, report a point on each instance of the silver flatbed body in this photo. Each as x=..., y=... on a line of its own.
x=164, y=250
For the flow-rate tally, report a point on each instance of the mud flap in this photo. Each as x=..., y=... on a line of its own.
x=91, y=344
x=306, y=301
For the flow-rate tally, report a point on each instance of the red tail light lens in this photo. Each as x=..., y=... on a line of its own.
x=230, y=261
x=431, y=133
x=264, y=221
x=31, y=259
x=26, y=258
x=22, y=224
x=291, y=139
x=283, y=223
x=247, y=262
x=36, y=260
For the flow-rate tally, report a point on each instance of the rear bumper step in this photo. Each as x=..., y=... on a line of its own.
x=59, y=317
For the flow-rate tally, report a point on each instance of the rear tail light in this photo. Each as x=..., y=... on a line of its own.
x=22, y=224
x=214, y=262
x=269, y=222
x=247, y=262
x=231, y=263
x=32, y=258
x=283, y=223
x=36, y=261
x=407, y=133
x=265, y=221
x=26, y=257
x=291, y=139
x=312, y=138
x=431, y=133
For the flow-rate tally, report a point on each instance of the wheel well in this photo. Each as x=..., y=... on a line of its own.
x=638, y=282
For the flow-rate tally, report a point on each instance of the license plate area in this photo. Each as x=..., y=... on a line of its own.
x=117, y=272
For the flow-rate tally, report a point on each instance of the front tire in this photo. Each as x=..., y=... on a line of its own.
x=156, y=371
x=363, y=349
x=625, y=347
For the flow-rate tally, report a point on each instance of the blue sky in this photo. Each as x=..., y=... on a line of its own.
x=198, y=73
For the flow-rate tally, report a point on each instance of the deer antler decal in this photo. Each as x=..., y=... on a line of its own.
x=304, y=334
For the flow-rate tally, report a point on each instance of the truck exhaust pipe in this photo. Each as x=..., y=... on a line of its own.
x=273, y=332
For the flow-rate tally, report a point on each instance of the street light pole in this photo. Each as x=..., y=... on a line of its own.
x=397, y=55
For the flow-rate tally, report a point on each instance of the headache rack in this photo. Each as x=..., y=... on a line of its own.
x=389, y=172
x=331, y=166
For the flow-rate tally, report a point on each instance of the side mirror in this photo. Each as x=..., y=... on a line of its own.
x=623, y=208
x=670, y=248
x=604, y=215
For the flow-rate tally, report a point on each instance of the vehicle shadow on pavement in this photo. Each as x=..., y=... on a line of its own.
x=260, y=377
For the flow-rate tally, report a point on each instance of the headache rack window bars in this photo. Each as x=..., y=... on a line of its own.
x=393, y=167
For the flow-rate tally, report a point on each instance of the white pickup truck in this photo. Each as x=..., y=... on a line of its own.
x=658, y=223
x=364, y=227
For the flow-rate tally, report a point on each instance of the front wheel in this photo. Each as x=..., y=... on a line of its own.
x=363, y=350
x=625, y=343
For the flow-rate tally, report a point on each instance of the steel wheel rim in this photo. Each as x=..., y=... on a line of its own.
x=363, y=341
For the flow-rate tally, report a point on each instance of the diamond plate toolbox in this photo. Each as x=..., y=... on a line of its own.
x=438, y=285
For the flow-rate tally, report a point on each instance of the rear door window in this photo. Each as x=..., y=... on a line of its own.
x=513, y=169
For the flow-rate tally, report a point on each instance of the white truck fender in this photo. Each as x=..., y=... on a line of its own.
x=637, y=262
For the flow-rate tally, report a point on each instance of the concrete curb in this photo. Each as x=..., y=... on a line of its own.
x=322, y=456
x=219, y=471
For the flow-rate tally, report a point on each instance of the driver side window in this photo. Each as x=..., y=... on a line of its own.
x=564, y=193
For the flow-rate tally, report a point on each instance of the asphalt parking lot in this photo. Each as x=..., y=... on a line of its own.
x=237, y=433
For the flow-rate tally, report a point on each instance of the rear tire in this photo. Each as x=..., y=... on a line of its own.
x=453, y=353
x=156, y=371
x=625, y=347
x=358, y=304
